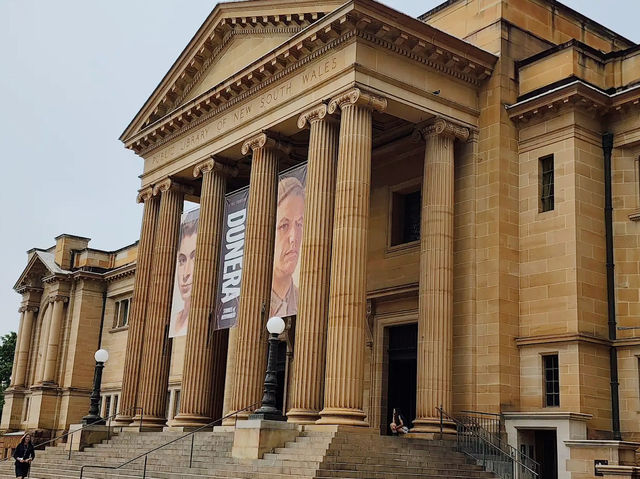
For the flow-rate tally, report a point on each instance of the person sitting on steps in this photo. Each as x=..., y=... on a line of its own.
x=398, y=425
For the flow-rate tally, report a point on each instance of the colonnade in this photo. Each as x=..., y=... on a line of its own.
x=329, y=356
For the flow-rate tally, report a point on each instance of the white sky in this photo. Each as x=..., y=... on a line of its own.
x=73, y=74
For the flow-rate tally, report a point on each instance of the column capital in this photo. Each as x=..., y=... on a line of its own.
x=356, y=96
x=214, y=165
x=313, y=114
x=440, y=126
x=58, y=297
x=144, y=194
x=169, y=184
x=263, y=140
x=28, y=307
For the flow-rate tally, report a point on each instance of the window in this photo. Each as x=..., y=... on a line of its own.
x=546, y=184
x=116, y=398
x=551, y=380
x=107, y=406
x=176, y=404
x=121, y=314
x=25, y=410
x=406, y=208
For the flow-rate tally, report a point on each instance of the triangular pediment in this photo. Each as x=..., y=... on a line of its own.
x=40, y=265
x=235, y=35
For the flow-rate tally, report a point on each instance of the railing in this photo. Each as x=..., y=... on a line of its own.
x=491, y=422
x=146, y=454
x=107, y=420
x=495, y=455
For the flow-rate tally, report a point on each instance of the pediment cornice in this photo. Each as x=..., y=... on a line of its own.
x=365, y=20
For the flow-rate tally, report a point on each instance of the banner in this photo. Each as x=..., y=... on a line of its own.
x=231, y=254
x=288, y=239
x=181, y=303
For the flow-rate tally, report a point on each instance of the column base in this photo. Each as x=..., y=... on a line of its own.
x=188, y=422
x=302, y=416
x=342, y=417
x=149, y=423
x=431, y=425
x=122, y=421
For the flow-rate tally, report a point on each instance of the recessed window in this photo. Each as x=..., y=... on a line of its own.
x=551, y=380
x=547, y=201
x=121, y=313
x=107, y=406
x=406, y=206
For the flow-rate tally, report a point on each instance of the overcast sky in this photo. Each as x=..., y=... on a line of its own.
x=74, y=73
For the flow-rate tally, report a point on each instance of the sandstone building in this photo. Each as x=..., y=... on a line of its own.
x=471, y=231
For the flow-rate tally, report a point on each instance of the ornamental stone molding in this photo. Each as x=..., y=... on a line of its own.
x=28, y=307
x=145, y=194
x=212, y=164
x=357, y=97
x=169, y=184
x=316, y=113
x=58, y=297
x=262, y=140
x=441, y=126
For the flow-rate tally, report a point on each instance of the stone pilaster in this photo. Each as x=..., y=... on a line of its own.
x=435, y=317
x=41, y=353
x=156, y=352
x=137, y=316
x=343, y=395
x=53, y=343
x=205, y=348
x=23, y=350
x=315, y=267
x=251, y=343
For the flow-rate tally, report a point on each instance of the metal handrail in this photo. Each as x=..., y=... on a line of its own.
x=146, y=454
x=476, y=445
x=133, y=409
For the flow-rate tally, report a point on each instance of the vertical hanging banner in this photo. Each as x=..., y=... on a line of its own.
x=181, y=302
x=286, y=255
x=231, y=254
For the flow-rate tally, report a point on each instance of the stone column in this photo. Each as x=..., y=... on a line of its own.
x=204, y=348
x=156, y=352
x=343, y=395
x=435, y=316
x=251, y=343
x=53, y=344
x=137, y=316
x=22, y=354
x=43, y=341
x=14, y=367
x=315, y=267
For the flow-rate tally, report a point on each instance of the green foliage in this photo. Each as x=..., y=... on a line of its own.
x=7, y=350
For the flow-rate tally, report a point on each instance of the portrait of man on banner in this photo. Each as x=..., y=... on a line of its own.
x=288, y=240
x=181, y=303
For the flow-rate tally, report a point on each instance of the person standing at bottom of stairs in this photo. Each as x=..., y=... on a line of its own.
x=23, y=455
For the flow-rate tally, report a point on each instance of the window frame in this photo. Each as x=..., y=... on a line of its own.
x=546, y=199
x=554, y=394
x=404, y=188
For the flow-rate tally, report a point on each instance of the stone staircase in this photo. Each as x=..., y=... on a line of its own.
x=316, y=453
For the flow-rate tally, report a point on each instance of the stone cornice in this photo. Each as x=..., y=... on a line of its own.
x=357, y=18
x=121, y=272
x=357, y=97
x=28, y=289
x=576, y=94
x=214, y=165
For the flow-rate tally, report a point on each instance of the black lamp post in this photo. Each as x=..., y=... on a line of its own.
x=101, y=356
x=268, y=410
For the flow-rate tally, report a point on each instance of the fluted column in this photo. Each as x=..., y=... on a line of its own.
x=435, y=316
x=315, y=267
x=343, y=395
x=230, y=375
x=251, y=344
x=156, y=352
x=137, y=316
x=23, y=350
x=43, y=342
x=204, y=348
x=53, y=344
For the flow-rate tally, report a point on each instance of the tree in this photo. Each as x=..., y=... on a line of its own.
x=7, y=350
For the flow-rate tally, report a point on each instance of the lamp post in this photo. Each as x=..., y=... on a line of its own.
x=268, y=410
x=101, y=356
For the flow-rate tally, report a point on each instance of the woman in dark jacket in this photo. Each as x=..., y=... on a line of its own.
x=23, y=455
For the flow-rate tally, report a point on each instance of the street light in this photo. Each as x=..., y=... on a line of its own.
x=101, y=356
x=268, y=410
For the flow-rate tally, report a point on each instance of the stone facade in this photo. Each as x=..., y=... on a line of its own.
x=453, y=115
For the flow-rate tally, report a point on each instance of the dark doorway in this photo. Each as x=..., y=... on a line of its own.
x=546, y=453
x=402, y=373
x=281, y=373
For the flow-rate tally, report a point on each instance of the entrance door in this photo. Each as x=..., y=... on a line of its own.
x=402, y=373
x=546, y=453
